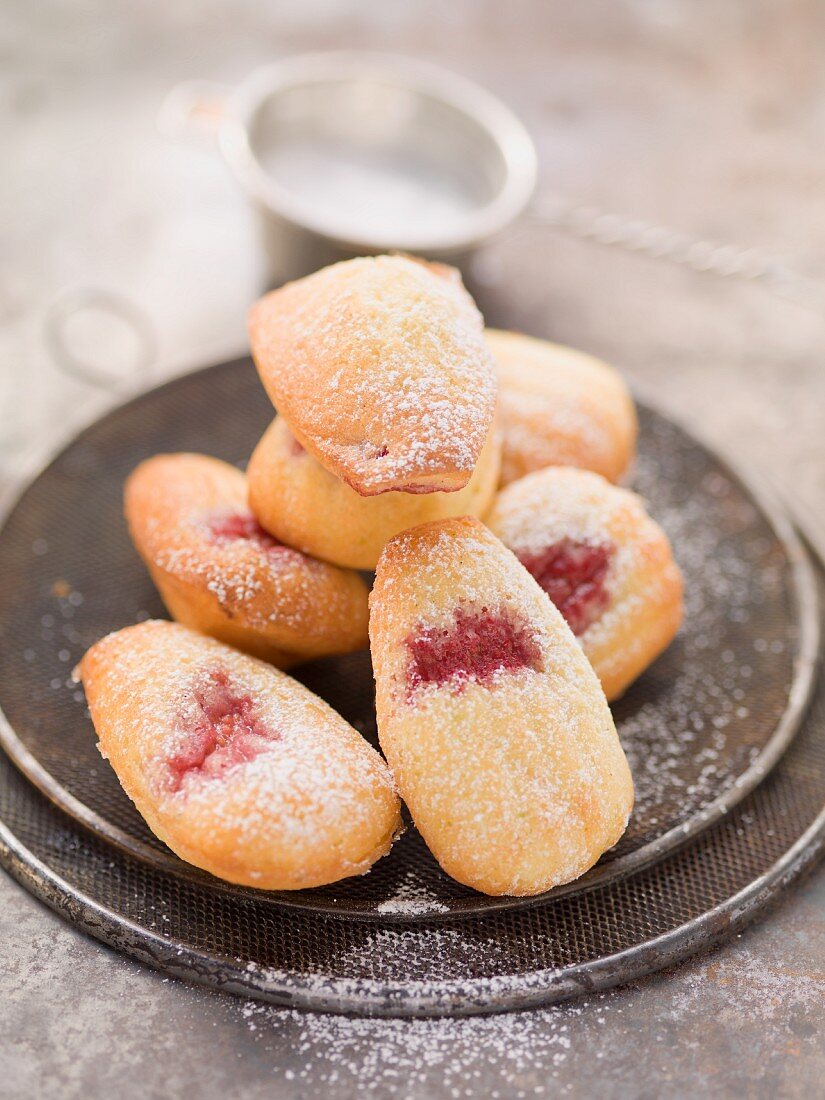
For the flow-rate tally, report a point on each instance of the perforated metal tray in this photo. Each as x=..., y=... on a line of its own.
x=614, y=933
x=701, y=728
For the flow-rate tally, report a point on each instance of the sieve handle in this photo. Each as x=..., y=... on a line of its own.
x=99, y=371
x=659, y=242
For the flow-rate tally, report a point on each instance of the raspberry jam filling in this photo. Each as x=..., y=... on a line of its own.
x=475, y=645
x=236, y=527
x=294, y=447
x=573, y=574
x=221, y=732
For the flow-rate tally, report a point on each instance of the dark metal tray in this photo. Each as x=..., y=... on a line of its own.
x=616, y=932
x=701, y=728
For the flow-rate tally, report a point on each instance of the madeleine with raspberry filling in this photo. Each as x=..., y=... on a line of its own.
x=490, y=716
x=306, y=506
x=380, y=368
x=560, y=407
x=240, y=769
x=219, y=572
x=602, y=560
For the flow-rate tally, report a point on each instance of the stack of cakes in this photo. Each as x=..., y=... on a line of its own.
x=398, y=419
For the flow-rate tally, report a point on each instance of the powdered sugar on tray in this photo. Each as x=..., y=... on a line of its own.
x=687, y=727
x=412, y=898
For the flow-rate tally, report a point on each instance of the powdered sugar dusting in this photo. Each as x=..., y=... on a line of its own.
x=312, y=786
x=707, y=1007
x=412, y=897
x=761, y=990
x=513, y=773
x=691, y=729
x=558, y=505
x=455, y=1057
x=270, y=588
x=190, y=522
x=560, y=407
x=381, y=368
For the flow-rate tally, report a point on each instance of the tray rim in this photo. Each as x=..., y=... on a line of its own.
x=808, y=622
x=367, y=997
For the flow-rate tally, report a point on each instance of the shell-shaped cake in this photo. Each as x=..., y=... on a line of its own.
x=490, y=716
x=380, y=367
x=219, y=572
x=237, y=767
x=560, y=407
x=603, y=562
x=306, y=506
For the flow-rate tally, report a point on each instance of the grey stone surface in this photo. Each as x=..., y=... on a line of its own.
x=80, y=1021
x=705, y=116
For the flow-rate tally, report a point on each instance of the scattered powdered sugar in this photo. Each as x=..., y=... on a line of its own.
x=412, y=897
x=758, y=987
x=689, y=727
x=520, y=1054
x=686, y=1020
x=421, y=953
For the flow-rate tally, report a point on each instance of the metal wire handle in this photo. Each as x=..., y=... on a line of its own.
x=76, y=301
x=585, y=222
x=662, y=243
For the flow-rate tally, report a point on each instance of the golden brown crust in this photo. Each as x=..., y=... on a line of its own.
x=560, y=407
x=276, y=603
x=517, y=781
x=305, y=506
x=313, y=804
x=380, y=368
x=643, y=582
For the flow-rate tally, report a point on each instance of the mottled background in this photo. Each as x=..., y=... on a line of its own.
x=705, y=116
